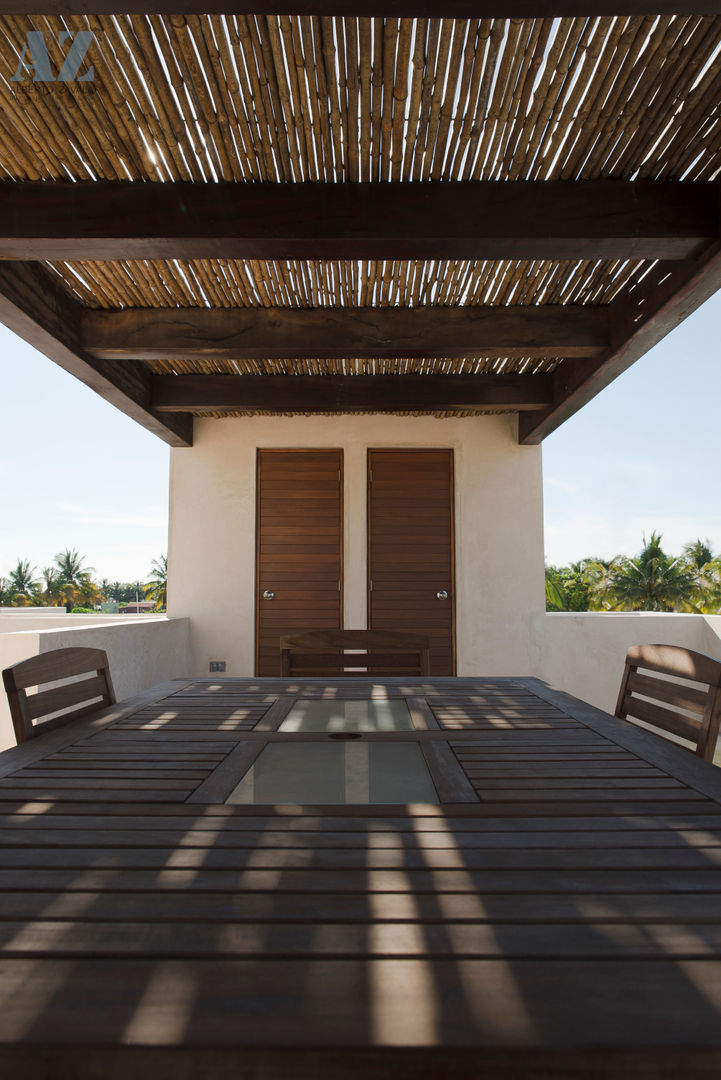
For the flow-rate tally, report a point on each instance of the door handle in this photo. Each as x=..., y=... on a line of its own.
x=442, y=594
x=268, y=594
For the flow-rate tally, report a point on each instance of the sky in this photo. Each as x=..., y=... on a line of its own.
x=644, y=455
x=75, y=472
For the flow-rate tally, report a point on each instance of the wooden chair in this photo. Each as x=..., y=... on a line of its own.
x=73, y=699
x=333, y=653
x=694, y=714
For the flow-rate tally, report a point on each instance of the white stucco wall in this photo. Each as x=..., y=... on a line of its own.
x=499, y=541
x=141, y=652
x=583, y=652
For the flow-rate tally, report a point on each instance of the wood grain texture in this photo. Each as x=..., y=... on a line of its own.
x=340, y=393
x=335, y=653
x=411, y=554
x=330, y=333
x=595, y=219
x=563, y=920
x=82, y=697
x=299, y=547
x=682, y=666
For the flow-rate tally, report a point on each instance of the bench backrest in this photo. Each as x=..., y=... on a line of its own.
x=34, y=714
x=691, y=712
x=336, y=653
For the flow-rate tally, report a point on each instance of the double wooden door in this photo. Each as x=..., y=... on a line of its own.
x=299, y=574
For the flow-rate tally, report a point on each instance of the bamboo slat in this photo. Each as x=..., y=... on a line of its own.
x=279, y=98
x=329, y=283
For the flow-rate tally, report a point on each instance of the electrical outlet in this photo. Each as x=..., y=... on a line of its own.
x=217, y=665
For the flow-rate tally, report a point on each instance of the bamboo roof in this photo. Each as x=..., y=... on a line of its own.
x=289, y=100
x=206, y=97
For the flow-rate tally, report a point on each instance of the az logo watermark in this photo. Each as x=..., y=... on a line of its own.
x=35, y=61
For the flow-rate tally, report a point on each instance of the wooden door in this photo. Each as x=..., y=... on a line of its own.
x=299, y=548
x=410, y=548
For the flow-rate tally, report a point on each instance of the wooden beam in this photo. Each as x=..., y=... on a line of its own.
x=354, y=333
x=594, y=219
x=455, y=9
x=37, y=309
x=344, y=393
x=667, y=296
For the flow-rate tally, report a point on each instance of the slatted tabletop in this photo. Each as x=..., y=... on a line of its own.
x=558, y=909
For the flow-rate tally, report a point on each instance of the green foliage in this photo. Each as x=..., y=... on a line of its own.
x=69, y=582
x=70, y=565
x=698, y=553
x=53, y=592
x=157, y=587
x=577, y=587
x=650, y=581
x=121, y=591
x=555, y=596
x=24, y=581
x=83, y=611
x=8, y=592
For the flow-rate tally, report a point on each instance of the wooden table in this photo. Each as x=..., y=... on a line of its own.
x=557, y=914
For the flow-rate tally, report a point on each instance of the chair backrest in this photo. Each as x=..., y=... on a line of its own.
x=688, y=711
x=339, y=653
x=33, y=714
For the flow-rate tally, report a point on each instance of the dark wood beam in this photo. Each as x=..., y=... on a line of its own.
x=347, y=393
x=38, y=309
x=667, y=295
x=336, y=333
x=456, y=9
x=594, y=219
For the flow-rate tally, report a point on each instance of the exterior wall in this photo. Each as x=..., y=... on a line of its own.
x=583, y=653
x=498, y=513
x=141, y=653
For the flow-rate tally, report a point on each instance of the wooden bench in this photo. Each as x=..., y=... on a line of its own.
x=694, y=713
x=34, y=714
x=341, y=653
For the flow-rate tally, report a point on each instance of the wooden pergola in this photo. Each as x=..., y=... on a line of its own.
x=306, y=211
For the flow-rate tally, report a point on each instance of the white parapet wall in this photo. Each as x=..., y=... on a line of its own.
x=583, y=652
x=39, y=618
x=142, y=651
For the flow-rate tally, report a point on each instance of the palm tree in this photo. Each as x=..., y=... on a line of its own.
x=8, y=592
x=73, y=574
x=54, y=586
x=710, y=587
x=71, y=568
x=652, y=581
x=700, y=558
x=157, y=587
x=24, y=580
x=698, y=553
x=87, y=594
